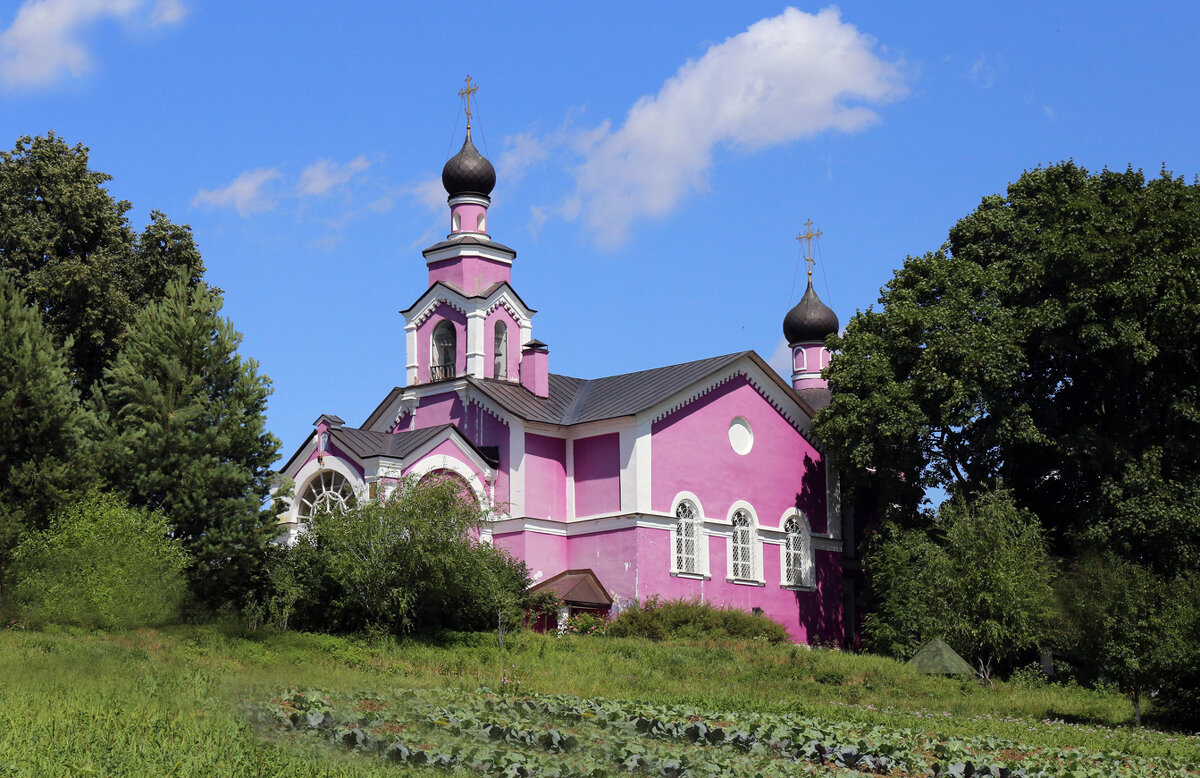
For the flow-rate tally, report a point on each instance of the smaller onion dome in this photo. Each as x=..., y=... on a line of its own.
x=468, y=172
x=811, y=320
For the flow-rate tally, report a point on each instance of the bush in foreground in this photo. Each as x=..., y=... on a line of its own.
x=694, y=620
x=412, y=562
x=100, y=564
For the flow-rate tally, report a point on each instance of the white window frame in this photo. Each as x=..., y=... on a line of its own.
x=701, y=567
x=804, y=554
x=755, y=541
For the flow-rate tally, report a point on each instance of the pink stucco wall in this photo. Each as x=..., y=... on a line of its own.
x=545, y=554
x=336, y=452
x=597, y=474
x=612, y=556
x=501, y=314
x=545, y=477
x=476, y=425
x=425, y=341
x=690, y=451
x=470, y=275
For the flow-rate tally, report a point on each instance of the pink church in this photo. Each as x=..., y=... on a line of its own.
x=697, y=480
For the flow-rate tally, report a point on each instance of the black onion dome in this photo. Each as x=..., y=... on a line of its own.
x=468, y=172
x=811, y=319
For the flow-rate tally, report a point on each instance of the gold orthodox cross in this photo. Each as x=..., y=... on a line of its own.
x=808, y=236
x=467, y=92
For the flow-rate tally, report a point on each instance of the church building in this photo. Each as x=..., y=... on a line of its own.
x=699, y=480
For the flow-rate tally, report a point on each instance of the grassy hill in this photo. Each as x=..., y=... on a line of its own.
x=174, y=701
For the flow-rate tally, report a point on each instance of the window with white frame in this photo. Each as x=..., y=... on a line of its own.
x=742, y=547
x=687, y=539
x=328, y=491
x=797, y=553
x=500, y=351
x=445, y=351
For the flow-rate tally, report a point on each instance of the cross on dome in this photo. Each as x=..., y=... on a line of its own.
x=467, y=92
x=809, y=235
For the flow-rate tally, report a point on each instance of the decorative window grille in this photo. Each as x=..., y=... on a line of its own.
x=687, y=539
x=743, y=546
x=797, y=559
x=328, y=492
x=500, y=366
x=445, y=351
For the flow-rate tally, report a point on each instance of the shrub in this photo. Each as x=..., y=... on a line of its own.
x=587, y=624
x=410, y=563
x=694, y=620
x=100, y=564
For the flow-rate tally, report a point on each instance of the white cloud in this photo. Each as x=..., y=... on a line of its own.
x=245, y=193
x=784, y=78
x=430, y=193
x=42, y=43
x=519, y=153
x=323, y=175
x=168, y=12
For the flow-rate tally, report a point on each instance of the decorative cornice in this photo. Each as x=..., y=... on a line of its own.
x=429, y=309
x=759, y=386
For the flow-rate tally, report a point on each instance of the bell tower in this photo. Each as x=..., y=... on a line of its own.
x=806, y=327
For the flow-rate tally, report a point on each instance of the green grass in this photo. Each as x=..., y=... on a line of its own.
x=169, y=702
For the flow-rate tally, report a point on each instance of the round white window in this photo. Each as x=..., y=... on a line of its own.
x=741, y=437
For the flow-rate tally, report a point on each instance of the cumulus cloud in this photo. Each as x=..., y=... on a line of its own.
x=520, y=151
x=786, y=77
x=247, y=193
x=430, y=193
x=323, y=175
x=43, y=41
x=168, y=12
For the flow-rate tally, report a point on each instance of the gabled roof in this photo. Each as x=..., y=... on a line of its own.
x=579, y=400
x=580, y=588
x=367, y=444
x=486, y=293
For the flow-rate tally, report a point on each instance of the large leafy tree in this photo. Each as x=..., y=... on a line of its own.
x=980, y=577
x=42, y=422
x=183, y=422
x=1053, y=343
x=69, y=246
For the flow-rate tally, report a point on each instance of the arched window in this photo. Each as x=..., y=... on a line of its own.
x=445, y=350
x=687, y=538
x=500, y=359
x=742, y=547
x=455, y=222
x=481, y=223
x=797, y=565
x=328, y=491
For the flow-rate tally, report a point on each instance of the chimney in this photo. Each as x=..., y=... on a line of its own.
x=535, y=368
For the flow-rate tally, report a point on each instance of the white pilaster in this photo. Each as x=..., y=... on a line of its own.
x=410, y=347
x=570, y=478
x=641, y=460
x=475, y=341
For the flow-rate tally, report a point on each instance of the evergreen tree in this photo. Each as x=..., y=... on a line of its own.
x=42, y=422
x=186, y=419
x=69, y=246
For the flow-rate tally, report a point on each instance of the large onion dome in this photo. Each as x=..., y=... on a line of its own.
x=811, y=320
x=468, y=172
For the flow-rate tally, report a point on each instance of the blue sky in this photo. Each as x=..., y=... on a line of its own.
x=655, y=160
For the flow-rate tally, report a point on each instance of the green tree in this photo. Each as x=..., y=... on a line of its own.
x=1128, y=624
x=184, y=420
x=99, y=564
x=1052, y=342
x=411, y=562
x=69, y=246
x=42, y=423
x=982, y=582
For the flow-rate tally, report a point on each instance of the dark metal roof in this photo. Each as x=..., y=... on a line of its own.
x=461, y=238
x=817, y=397
x=581, y=588
x=468, y=171
x=482, y=295
x=811, y=320
x=578, y=400
x=366, y=444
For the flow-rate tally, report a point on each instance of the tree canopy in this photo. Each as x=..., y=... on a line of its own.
x=1051, y=343
x=183, y=430
x=70, y=248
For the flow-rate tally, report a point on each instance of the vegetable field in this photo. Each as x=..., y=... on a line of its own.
x=564, y=735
